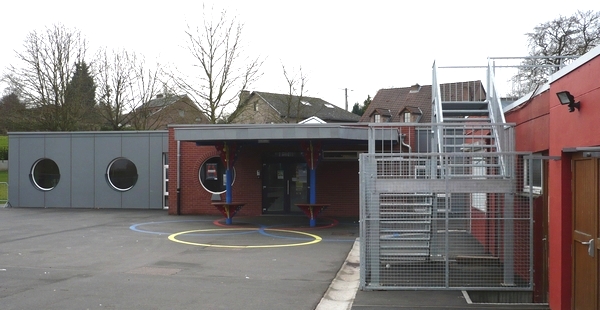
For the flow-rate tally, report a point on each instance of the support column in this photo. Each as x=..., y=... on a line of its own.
x=312, y=152
x=228, y=156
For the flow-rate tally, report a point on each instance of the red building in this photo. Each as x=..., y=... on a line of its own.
x=566, y=139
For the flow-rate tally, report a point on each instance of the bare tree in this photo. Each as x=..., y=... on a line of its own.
x=551, y=43
x=47, y=65
x=222, y=70
x=296, y=84
x=125, y=85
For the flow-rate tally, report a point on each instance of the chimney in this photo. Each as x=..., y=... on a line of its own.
x=415, y=88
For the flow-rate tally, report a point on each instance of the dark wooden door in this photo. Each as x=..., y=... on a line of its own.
x=585, y=232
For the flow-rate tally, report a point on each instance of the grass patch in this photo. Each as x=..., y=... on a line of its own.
x=3, y=187
x=3, y=141
x=3, y=147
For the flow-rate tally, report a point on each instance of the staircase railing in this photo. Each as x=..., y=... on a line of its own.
x=496, y=115
x=494, y=108
x=436, y=116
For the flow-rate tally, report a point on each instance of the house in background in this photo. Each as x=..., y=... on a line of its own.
x=413, y=104
x=564, y=176
x=167, y=109
x=270, y=108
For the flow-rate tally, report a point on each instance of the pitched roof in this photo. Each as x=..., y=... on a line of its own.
x=418, y=97
x=310, y=106
x=163, y=101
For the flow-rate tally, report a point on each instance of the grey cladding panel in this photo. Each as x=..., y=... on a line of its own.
x=32, y=149
x=136, y=149
x=106, y=149
x=58, y=148
x=83, y=171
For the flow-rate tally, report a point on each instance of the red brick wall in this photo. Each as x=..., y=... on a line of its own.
x=337, y=181
x=338, y=185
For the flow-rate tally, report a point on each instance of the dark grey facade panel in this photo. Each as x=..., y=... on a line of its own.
x=83, y=159
x=31, y=150
x=58, y=148
x=82, y=171
x=106, y=149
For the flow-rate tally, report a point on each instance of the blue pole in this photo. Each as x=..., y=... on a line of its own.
x=313, y=186
x=228, y=181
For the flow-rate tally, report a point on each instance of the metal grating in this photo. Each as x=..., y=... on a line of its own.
x=457, y=219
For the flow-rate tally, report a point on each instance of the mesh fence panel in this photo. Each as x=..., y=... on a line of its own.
x=451, y=220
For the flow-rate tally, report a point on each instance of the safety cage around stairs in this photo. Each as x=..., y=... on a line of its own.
x=456, y=219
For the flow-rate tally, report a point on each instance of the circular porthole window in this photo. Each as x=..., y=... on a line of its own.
x=212, y=175
x=122, y=174
x=45, y=174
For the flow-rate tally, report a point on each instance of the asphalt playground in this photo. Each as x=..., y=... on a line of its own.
x=139, y=259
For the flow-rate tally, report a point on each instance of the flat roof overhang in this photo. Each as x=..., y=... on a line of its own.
x=257, y=133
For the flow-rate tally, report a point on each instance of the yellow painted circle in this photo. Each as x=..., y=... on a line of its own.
x=316, y=239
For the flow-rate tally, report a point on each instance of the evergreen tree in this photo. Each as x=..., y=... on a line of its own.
x=360, y=109
x=80, y=99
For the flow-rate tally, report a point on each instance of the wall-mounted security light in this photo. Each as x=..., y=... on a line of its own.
x=566, y=98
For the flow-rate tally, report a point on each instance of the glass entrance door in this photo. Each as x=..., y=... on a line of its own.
x=285, y=183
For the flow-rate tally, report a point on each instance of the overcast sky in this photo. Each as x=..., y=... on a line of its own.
x=359, y=45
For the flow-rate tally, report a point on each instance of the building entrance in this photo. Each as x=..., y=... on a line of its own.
x=586, y=258
x=285, y=183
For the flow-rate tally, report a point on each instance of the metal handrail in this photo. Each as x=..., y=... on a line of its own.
x=496, y=115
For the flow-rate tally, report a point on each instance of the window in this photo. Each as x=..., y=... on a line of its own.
x=212, y=175
x=532, y=182
x=406, y=117
x=377, y=118
x=121, y=174
x=45, y=174
x=479, y=200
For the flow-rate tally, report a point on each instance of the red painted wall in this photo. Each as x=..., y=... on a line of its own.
x=543, y=124
x=532, y=124
x=576, y=129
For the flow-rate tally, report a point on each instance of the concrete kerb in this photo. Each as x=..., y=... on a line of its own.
x=342, y=290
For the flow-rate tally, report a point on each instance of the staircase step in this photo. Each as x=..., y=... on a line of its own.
x=405, y=222
x=399, y=195
x=467, y=119
x=446, y=136
x=422, y=245
x=424, y=230
x=406, y=213
x=465, y=112
x=472, y=165
x=484, y=102
x=405, y=204
x=470, y=146
x=408, y=237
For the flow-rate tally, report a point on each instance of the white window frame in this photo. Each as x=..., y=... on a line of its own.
x=377, y=118
x=533, y=188
x=479, y=200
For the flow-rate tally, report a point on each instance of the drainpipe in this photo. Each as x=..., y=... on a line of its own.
x=402, y=136
x=178, y=177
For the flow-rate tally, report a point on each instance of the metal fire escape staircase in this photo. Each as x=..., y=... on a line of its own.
x=465, y=119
